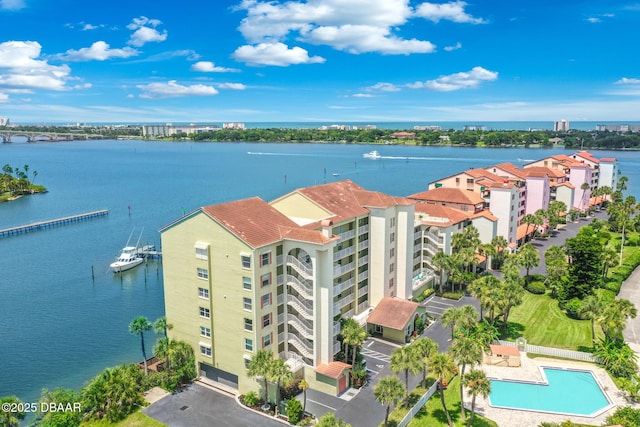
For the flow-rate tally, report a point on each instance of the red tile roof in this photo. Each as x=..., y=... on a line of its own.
x=541, y=171
x=504, y=349
x=258, y=223
x=393, y=313
x=608, y=159
x=510, y=168
x=485, y=213
x=524, y=230
x=435, y=214
x=451, y=195
x=587, y=156
x=333, y=369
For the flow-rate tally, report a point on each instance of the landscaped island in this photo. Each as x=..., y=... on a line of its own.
x=14, y=182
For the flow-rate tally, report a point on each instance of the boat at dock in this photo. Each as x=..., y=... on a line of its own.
x=372, y=155
x=129, y=258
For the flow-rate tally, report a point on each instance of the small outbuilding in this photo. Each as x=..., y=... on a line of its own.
x=332, y=378
x=395, y=319
x=503, y=355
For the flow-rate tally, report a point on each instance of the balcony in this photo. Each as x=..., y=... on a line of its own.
x=337, y=306
x=339, y=270
x=417, y=234
x=420, y=279
x=336, y=348
x=339, y=288
x=363, y=229
x=303, y=327
x=280, y=299
x=344, y=253
x=301, y=344
x=435, y=238
x=336, y=328
x=302, y=268
x=363, y=260
x=304, y=308
x=363, y=275
x=279, y=259
x=417, y=248
x=363, y=290
x=363, y=245
x=417, y=260
x=347, y=235
x=363, y=306
x=304, y=289
x=294, y=361
x=349, y=314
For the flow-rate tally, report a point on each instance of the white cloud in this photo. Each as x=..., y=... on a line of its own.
x=172, y=89
x=88, y=27
x=365, y=38
x=363, y=95
x=464, y=80
x=594, y=20
x=144, y=31
x=452, y=11
x=355, y=26
x=383, y=87
x=628, y=81
x=454, y=47
x=210, y=67
x=4, y=97
x=20, y=68
x=277, y=54
x=12, y=4
x=232, y=86
x=99, y=51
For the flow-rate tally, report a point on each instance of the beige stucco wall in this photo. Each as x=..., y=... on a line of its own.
x=296, y=206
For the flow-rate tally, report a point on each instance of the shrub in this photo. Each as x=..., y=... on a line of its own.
x=537, y=288
x=452, y=295
x=294, y=410
x=251, y=399
x=536, y=277
x=572, y=307
x=626, y=416
x=424, y=295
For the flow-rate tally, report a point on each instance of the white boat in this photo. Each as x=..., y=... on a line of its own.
x=372, y=155
x=129, y=257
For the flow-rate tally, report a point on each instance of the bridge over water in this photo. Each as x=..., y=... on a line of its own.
x=6, y=136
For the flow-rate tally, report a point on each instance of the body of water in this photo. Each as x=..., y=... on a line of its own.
x=59, y=326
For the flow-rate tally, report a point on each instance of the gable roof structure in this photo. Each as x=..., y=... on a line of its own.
x=440, y=216
x=450, y=195
x=509, y=168
x=393, y=313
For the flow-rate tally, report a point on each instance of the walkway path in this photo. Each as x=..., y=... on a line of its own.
x=631, y=290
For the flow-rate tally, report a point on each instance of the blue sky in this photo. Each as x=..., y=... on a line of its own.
x=210, y=61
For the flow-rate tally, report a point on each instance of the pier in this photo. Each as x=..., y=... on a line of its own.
x=52, y=223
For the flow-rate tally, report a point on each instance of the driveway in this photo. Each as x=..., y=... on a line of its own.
x=631, y=290
x=197, y=405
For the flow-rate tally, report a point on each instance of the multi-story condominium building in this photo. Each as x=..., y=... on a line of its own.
x=233, y=125
x=466, y=201
x=618, y=128
x=518, y=178
x=604, y=170
x=538, y=189
x=561, y=126
x=249, y=275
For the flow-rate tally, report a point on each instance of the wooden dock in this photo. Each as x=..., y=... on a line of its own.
x=52, y=223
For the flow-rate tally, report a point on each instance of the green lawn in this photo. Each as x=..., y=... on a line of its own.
x=541, y=322
x=137, y=419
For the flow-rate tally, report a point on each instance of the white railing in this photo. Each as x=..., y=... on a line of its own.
x=436, y=238
x=363, y=229
x=419, y=404
x=336, y=348
x=280, y=299
x=339, y=270
x=363, y=275
x=295, y=361
x=305, y=289
x=344, y=253
x=349, y=314
x=279, y=259
x=280, y=279
x=556, y=352
x=417, y=234
x=363, y=306
x=342, y=302
x=363, y=260
x=347, y=235
x=363, y=245
x=339, y=288
x=431, y=249
x=300, y=326
x=417, y=260
x=280, y=318
x=363, y=290
x=302, y=268
x=336, y=328
x=304, y=308
x=416, y=248
x=304, y=347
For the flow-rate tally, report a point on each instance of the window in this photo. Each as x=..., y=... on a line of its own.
x=265, y=259
x=248, y=324
x=391, y=282
x=266, y=300
x=266, y=320
x=202, y=251
x=247, y=303
x=205, y=332
x=203, y=293
x=204, y=312
x=392, y=252
x=203, y=273
x=246, y=261
x=393, y=222
x=205, y=350
x=392, y=267
x=392, y=237
x=246, y=283
x=265, y=279
x=266, y=340
x=248, y=344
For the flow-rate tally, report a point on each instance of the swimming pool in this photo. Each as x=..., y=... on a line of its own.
x=565, y=391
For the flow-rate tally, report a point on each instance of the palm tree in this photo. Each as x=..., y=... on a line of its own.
x=405, y=359
x=347, y=332
x=585, y=195
x=139, y=326
x=329, y=420
x=425, y=347
x=465, y=351
x=11, y=418
x=591, y=309
x=530, y=220
x=614, y=317
x=441, y=262
x=480, y=286
x=528, y=257
x=500, y=243
x=450, y=318
x=477, y=384
x=160, y=326
x=354, y=335
x=259, y=367
x=493, y=302
x=279, y=373
x=443, y=367
x=389, y=391
x=162, y=350
x=304, y=386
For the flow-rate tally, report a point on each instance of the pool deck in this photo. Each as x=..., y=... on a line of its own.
x=530, y=371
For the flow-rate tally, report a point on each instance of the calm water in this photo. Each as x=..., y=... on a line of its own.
x=586, y=395
x=59, y=327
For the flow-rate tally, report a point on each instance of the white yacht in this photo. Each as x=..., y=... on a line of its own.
x=128, y=259
x=372, y=155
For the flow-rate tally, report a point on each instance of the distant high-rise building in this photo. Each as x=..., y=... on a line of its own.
x=561, y=126
x=4, y=121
